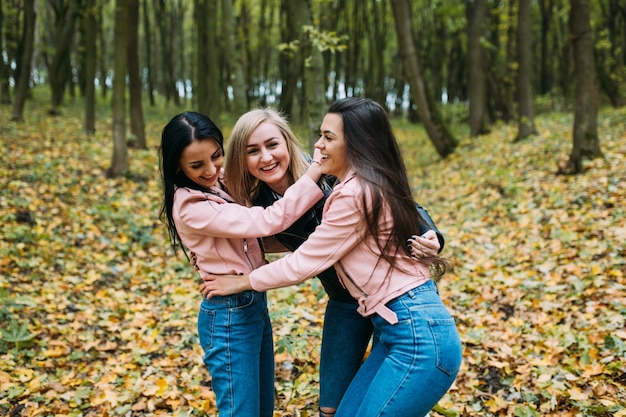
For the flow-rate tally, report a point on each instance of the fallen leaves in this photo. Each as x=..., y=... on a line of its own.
x=98, y=317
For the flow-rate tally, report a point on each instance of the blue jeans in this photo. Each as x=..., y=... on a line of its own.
x=345, y=337
x=236, y=335
x=414, y=362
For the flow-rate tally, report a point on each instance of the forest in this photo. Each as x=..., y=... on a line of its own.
x=510, y=115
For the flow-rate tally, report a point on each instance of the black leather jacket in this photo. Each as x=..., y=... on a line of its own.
x=298, y=232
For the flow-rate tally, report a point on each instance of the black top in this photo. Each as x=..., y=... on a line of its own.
x=298, y=232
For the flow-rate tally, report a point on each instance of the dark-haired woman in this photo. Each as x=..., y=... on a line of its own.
x=363, y=233
x=235, y=330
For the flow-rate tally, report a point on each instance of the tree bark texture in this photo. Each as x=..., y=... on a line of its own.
x=313, y=100
x=90, y=65
x=586, y=143
x=526, y=123
x=137, y=124
x=478, y=116
x=149, y=67
x=439, y=135
x=60, y=68
x=234, y=62
x=119, y=162
x=28, y=41
x=5, y=68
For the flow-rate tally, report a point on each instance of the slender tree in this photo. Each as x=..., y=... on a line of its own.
x=91, y=10
x=119, y=162
x=313, y=78
x=59, y=70
x=149, y=68
x=206, y=68
x=5, y=68
x=28, y=42
x=546, y=8
x=478, y=116
x=137, y=124
x=290, y=61
x=526, y=123
x=234, y=59
x=438, y=133
x=586, y=143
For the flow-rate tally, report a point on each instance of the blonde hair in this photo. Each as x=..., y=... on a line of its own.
x=241, y=185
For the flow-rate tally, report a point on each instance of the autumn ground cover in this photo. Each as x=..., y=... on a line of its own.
x=97, y=314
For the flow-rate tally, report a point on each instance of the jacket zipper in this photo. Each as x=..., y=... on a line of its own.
x=344, y=273
x=245, y=251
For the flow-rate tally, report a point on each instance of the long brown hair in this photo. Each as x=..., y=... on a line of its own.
x=373, y=153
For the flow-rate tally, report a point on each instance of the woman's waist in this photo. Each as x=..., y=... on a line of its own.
x=241, y=299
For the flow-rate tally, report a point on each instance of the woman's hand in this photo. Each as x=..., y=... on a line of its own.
x=315, y=170
x=424, y=246
x=224, y=285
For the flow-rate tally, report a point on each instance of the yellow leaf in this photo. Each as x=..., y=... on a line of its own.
x=578, y=395
x=496, y=403
x=150, y=391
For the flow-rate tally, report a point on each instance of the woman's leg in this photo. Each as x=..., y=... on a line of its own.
x=414, y=363
x=345, y=338
x=232, y=331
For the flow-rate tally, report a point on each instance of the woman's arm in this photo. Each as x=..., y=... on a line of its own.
x=197, y=214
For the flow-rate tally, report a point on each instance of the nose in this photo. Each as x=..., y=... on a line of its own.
x=210, y=169
x=318, y=144
x=266, y=155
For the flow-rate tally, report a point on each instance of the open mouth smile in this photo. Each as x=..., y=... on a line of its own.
x=270, y=167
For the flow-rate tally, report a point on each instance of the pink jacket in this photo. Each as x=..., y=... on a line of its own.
x=341, y=240
x=224, y=236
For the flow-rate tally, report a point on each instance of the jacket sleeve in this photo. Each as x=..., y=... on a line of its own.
x=430, y=225
x=198, y=214
x=338, y=234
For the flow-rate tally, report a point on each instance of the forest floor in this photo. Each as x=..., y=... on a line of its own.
x=98, y=316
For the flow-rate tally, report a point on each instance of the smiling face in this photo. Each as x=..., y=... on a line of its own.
x=333, y=146
x=202, y=162
x=268, y=157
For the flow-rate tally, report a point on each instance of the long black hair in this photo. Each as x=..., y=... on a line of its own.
x=373, y=153
x=177, y=134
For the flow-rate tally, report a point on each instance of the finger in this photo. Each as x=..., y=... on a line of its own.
x=429, y=235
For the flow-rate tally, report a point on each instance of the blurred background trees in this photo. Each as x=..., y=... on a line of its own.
x=476, y=62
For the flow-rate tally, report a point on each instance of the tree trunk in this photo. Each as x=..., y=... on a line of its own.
x=438, y=133
x=526, y=126
x=290, y=61
x=234, y=59
x=313, y=80
x=28, y=42
x=60, y=67
x=207, y=69
x=137, y=125
x=148, y=48
x=119, y=162
x=478, y=116
x=102, y=65
x=375, y=85
x=5, y=68
x=166, y=17
x=586, y=143
x=546, y=6
x=90, y=65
